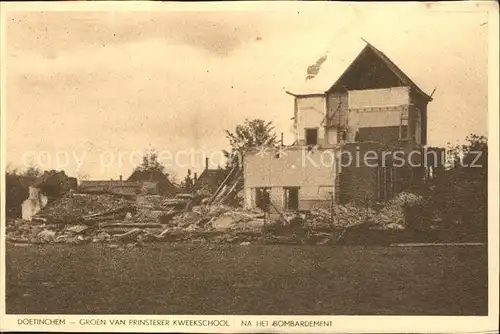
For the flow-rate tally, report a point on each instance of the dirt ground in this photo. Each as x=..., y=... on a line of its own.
x=255, y=279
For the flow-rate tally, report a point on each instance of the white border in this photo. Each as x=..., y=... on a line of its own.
x=344, y=324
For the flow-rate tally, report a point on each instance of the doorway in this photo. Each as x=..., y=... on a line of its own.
x=262, y=198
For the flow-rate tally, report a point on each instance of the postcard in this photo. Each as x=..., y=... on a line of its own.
x=249, y=167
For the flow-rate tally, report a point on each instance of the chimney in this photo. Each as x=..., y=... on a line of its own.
x=206, y=163
x=121, y=178
x=195, y=177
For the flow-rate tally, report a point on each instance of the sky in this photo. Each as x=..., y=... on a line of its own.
x=89, y=91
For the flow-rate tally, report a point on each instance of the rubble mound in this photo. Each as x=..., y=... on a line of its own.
x=74, y=207
x=81, y=218
x=395, y=210
x=343, y=216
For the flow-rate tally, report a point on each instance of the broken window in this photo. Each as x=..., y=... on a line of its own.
x=291, y=198
x=403, y=128
x=312, y=136
x=262, y=198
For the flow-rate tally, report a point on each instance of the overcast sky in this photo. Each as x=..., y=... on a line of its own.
x=92, y=83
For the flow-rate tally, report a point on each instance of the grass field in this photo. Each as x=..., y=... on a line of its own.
x=255, y=279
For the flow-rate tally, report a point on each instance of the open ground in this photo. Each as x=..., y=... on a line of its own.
x=171, y=278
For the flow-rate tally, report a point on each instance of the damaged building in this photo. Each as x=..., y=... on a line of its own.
x=367, y=105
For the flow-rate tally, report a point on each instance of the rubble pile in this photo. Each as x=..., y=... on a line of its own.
x=21, y=231
x=151, y=218
x=155, y=208
x=323, y=226
x=342, y=217
x=83, y=218
x=216, y=223
x=74, y=207
x=395, y=211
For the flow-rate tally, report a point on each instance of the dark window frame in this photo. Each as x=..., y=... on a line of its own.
x=306, y=135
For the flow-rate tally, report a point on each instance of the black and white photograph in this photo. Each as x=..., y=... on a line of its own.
x=249, y=167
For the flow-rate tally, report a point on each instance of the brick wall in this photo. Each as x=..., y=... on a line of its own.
x=378, y=179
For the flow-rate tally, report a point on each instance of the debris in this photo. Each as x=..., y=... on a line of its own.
x=77, y=228
x=224, y=222
x=191, y=227
x=47, y=236
x=157, y=216
x=395, y=210
x=74, y=207
x=48, y=284
x=171, y=234
x=102, y=218
x=68, y=239
x=102, y=237
x=125, y=224
x=130, y=235
x=324, y=241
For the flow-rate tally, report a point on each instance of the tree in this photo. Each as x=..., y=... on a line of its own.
x=473, y=154
x=150, y=163
x=16, y=187
x=32, y=171
x=252, y=133
x=460, y=195
x=188, y=181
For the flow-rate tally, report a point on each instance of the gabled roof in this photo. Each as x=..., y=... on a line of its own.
x=154, y=175
x=341, y=62
x=211, y=173
x=397, y=71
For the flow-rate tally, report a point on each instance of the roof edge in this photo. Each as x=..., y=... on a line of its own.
x=392, y=66
x=306, y=94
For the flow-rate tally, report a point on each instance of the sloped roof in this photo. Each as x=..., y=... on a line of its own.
x=340, y=61
x=153, y=175
x=396, y=70
x=211, y=173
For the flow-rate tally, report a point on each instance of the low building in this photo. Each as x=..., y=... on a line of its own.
x=140, y=182
x=210, y=178
x=154, y=179
x=110, y=186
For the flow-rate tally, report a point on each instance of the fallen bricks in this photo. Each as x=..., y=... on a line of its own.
x=74, y=207
x=155, y=219
x=125, y=224
x=127, y=235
